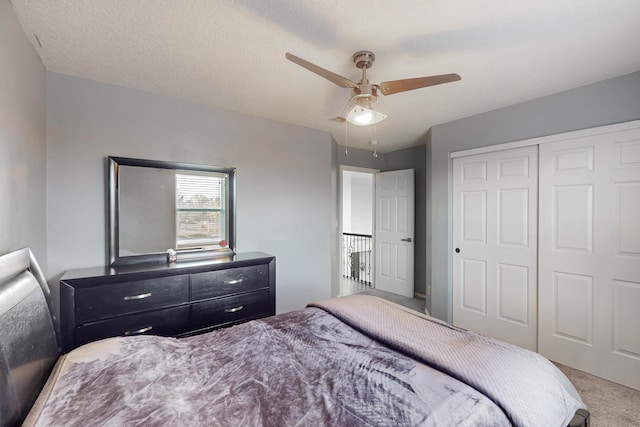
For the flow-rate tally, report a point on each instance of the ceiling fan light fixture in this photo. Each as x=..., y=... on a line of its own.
x=363, y=116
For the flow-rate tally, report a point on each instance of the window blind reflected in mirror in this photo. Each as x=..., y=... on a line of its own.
x=200, y=210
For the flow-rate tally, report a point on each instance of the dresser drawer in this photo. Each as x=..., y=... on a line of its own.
x=229, y=309
x=230, y=281
x=166, y=322
x=129, y=297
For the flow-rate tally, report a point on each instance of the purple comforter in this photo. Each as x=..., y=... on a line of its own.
x=303, y=368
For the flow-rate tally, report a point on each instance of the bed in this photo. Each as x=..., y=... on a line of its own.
x=347, y=361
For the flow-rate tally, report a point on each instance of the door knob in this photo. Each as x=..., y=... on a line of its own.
x=457, y=250
x=408, y=239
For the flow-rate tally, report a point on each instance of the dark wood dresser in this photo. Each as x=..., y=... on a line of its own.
x=176, y=299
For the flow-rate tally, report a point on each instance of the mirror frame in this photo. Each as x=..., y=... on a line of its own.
x=113, y=217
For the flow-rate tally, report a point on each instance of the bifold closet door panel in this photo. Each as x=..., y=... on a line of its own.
x=589, y=254
x=495, y=242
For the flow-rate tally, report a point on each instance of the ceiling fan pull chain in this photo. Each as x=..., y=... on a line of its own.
x=346, y=138
x=375, y=140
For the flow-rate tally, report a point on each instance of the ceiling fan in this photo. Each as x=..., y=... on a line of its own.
x=359, y=109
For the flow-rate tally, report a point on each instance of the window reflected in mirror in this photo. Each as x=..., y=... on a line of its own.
x=156, y=206
x=201, y=202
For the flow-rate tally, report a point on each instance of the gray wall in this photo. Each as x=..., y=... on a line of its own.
x=357, y=157
x=22, y=141
x=409, y=158
x=284, y=177
x=607, y=102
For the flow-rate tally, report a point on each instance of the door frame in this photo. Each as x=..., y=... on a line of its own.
x=371, y=171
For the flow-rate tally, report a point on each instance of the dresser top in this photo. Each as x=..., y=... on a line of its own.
x=165, y=268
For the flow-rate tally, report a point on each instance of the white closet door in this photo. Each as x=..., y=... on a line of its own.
x=589, y=259
x=494, y=229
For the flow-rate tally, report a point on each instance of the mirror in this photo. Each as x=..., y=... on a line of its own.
x=157, y=206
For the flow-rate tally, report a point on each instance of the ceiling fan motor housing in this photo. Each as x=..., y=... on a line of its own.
x=363, y=58
x=365, y=90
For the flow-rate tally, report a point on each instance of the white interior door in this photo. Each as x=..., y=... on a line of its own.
x=589, y=276
x=495, y=241
x=394, y=232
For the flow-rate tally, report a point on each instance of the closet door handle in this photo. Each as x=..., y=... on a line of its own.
x=408, y=239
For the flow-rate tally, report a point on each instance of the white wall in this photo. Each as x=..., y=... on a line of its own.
x=362, y=203
x=357, y=202
x=607, y=102
x=284, y=177
x=22, y=141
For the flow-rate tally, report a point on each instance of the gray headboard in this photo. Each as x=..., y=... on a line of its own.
x=28, y=347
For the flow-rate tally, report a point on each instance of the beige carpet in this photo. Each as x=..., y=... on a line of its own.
x=610, y=404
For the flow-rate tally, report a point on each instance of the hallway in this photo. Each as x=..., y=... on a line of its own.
x=350, y=287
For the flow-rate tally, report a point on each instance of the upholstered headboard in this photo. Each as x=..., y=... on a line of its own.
x=28, y=347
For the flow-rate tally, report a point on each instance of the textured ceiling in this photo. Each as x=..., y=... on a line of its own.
x=231, y=54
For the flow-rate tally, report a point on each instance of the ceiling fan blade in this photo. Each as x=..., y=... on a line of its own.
x=333, y=77
x=389, y=88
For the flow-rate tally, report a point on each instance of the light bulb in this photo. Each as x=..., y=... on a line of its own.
x=363, y=116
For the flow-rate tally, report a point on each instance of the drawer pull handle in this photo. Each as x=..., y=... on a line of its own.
x=234, y=282
x=234, y=309
x=139, y=296
x=138, y=331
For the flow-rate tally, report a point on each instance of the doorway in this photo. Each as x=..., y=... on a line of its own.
x=356, y=229
x=377, y=231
